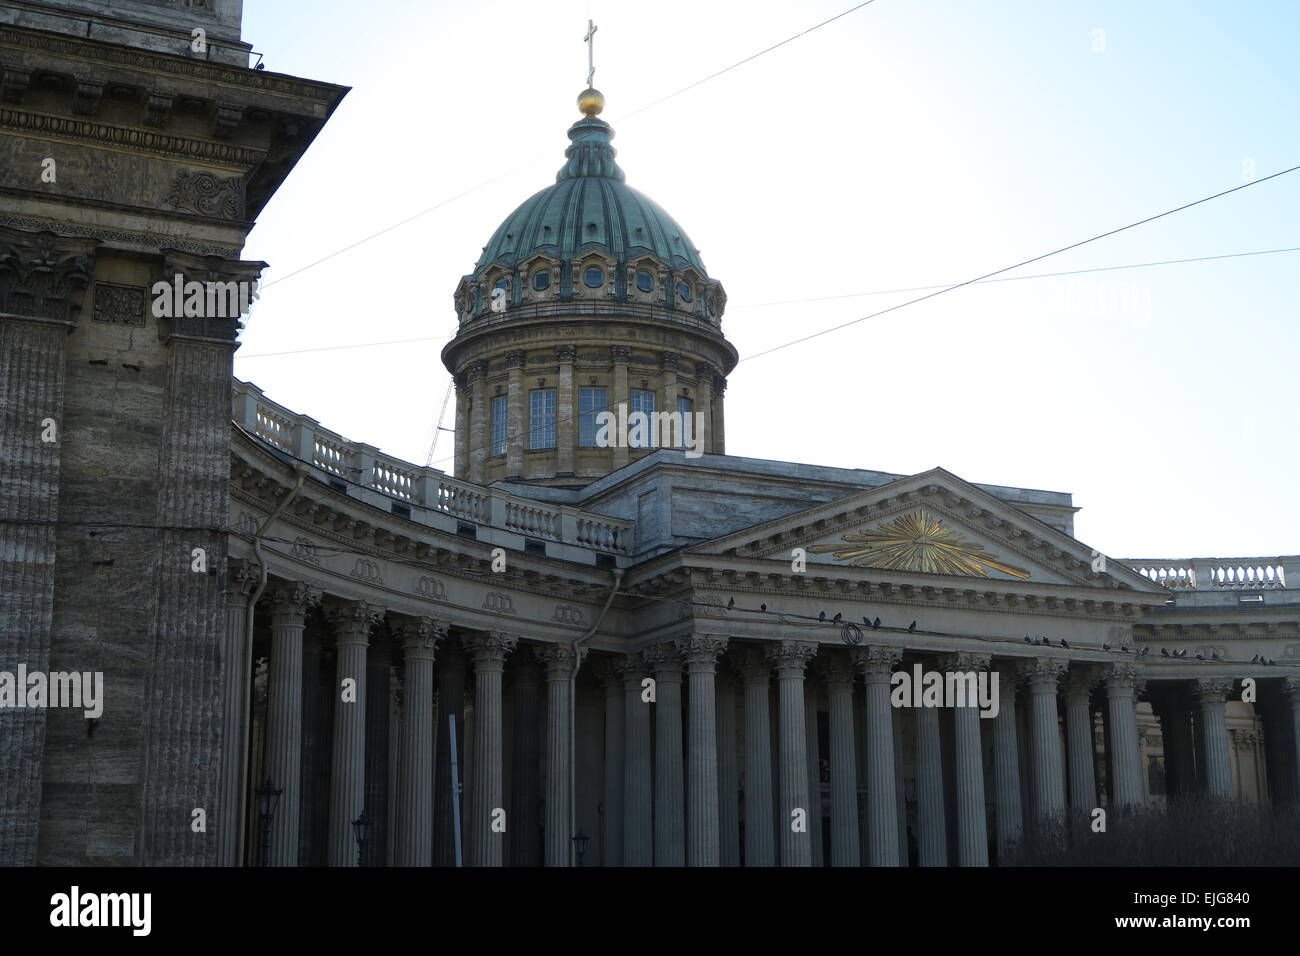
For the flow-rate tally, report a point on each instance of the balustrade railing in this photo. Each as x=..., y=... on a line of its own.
x=366, y=467
x=1207, y=574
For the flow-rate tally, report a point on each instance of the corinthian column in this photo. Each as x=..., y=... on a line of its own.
x=1126, y=757
x=728, y=772
x=485, y=841
x=451, y=702
x=242, y=579
x=670, y=830
x=289, y=603
x=1210, y=696
x=703, y=842
x=1042, y=674
x=638, y=832
x=876, y=665
x=1006, y=764
x=755, y=673
x=559, y=661
x=812, y=749
x=790, y=658
x=611, y=679
x=932, y=843
x=351, y=623
x=1291, y=688
x=972, y=822
x=1078, y=731
x=838, y=674
x=414, y=845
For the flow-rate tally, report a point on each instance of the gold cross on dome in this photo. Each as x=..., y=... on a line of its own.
x=590, y=40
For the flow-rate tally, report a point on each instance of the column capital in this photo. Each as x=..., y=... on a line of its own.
x=559, y=659
x=1042, y=673
x=665, y=660
x=791, y=657
x=489, y=649
x=1007, y=679
x=700, y=651
x=670, y=362
x=351, y=621
x=1080, y=679
x=1122, y=680
x=620, y=354
x=475, y=371
x=966, y=661
x=1211, y=691
x=290, y=600
x=1291, y=688
x=876, y=662
x=752, y=666
x=242, y=578
x=836, y=669
x=565, y=353
x=516, y=358
x=420, y=636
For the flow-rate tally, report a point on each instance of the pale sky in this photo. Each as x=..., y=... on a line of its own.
x=910, y=143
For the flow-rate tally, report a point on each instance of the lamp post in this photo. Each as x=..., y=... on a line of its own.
x=580, y=841
x=268, y=799
x=361, y=827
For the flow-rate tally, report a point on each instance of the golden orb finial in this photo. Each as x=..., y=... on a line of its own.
x=591, y=101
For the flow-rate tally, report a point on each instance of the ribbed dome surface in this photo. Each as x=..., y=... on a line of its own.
x=590, y=207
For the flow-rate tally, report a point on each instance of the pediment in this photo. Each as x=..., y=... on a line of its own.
x=933, y=524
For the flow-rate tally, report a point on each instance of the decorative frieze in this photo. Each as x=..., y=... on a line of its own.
x=498, y=603
x=207, y=195
x=119, y=304
x=430, y=588
x=367, y=571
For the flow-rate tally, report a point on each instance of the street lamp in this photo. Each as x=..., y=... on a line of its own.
x=580, y=842
x=361, y=827
x=268, y=798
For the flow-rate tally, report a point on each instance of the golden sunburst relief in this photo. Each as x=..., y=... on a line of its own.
x=919, y=542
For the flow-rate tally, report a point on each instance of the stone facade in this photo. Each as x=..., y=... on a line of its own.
x=560, y=655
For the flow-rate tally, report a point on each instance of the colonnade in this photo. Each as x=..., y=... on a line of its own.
x=711, y=748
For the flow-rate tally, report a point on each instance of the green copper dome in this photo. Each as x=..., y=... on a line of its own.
x=590, y=207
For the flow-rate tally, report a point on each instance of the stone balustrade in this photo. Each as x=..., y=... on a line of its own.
x=364, y=471
x=1207, y=574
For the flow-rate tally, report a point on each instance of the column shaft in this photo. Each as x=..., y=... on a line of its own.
x=237, y=654
x=1006, y=765
x=760, y=848
x=485, y=840
x=414, y=843
x=1126, y=760
x=559, y=660
x=876, y=665
x=351, y=624
x=790, y=658
x=703, y=841
x=843, y=760
x=932, y=842
x=1078, y=729
x=669, y=806
x=1210, y=695
x=728, y=773
x=638, y=821
x=1045, y=738
x=284, y=716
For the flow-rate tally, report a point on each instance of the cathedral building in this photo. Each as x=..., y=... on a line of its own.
x=601, y=640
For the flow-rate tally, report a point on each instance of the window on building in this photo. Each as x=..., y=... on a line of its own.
x=684, y=290
x=591, y=401
x=542, y=280
x=643, y=400
x=645, y=281
x=500, y=410
x=594, y=278
x=685, y=407
x=541, y=419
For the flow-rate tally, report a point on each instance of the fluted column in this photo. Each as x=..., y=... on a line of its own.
x=1126, y=758
x=790, y=658
x=559, y=660
x=242, y=579
x=638, y=832
x=1291, y=689
x=479, y=423
x=462, y=426
x=755, y=673
x=1210, y=695
x=289, y=603
x=414, y=844
x=516, y=441
x=1042, y=675
x=876, y=665
x=526, y=773
x=703, y=842
x=451, y=702
x=611, y=680
x=843, y=759
x=1006, y=764
x=813, y=750
x=1078, y=730
x=485, y=842
x=728, y=772
x=619, y=356
x=932, y=841
x=566, y=414
x=968, y=751
x=351, y=623
x=669, y=808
